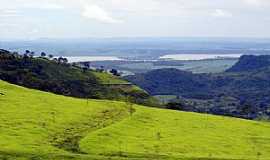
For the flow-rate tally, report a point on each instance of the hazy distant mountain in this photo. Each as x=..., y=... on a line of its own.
x=244, y=93
x=250, y=62
x=144, y=48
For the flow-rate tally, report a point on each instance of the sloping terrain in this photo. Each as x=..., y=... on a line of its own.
x=39, y=125
x=250, y=62
x=242, y=91
x=65, y=79
x=34, y=122
x=156, y=133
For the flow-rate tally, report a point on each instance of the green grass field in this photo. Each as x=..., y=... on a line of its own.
x=106, y=78
x=37, y=125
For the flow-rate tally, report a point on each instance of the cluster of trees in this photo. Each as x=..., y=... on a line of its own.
x=61, y=60
x=31, y=54
x=43, y=54
x=28, y=54
x=87, y=65
x=115, y=72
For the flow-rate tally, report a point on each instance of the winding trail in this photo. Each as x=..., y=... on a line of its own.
x=69, y=138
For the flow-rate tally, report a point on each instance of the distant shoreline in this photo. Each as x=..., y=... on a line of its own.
x=192, y=57
x=73, y=59
x=169, y=57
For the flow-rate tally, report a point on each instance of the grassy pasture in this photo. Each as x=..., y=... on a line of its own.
x=39, y=125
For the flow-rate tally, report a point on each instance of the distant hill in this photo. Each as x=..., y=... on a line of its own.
x=42, y=126
x=250, y=62
x=65, y=79
x=242, y=94
x=170, y=81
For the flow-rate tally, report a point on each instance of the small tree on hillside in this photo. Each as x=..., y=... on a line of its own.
x=43, y=54
x=62, y=60
x=51, y=56
x=65, y=60
x=27, y=52
x=101, y=69
x=114, y=72
x=129, y=105
x=31, y=54
x=158, y=136
x=259, y=154
x=86, y=66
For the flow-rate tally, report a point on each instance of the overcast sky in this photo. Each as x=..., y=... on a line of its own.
x=134, y=18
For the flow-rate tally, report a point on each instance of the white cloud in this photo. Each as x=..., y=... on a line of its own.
x=34, y=31
x=257, y=3
x=9, y=13
x=45, y=6
x=221, y=13
x=99, y=14
x=140, y=17
x=8, y=25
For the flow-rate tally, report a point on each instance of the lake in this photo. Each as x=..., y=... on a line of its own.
x=92, y=58
x=188, y=57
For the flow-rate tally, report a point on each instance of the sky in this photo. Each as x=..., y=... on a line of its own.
x=30, y=19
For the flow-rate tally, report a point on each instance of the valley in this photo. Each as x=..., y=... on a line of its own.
x=134, y=80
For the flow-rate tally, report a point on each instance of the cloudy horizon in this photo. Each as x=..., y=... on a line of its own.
x=28, y=19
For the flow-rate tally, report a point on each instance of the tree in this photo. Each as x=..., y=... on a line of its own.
x=101, y=69
x=174, y=105
x=27, y=52
x=51, y=56
x=86, y=66
x=25, y=56
x=62, y=60
x=158, y=136
x=114, y=72
x=43, y=54
x=129, y=105
x=59, y=59
x=259, y=155
x=31, y=54
x=65, y=60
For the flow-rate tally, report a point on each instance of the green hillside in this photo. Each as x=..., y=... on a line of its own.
x=37, y=125
x=62, y=78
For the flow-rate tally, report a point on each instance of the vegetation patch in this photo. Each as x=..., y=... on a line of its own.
x=172, y=134
x=58, y=76
x=35, y=125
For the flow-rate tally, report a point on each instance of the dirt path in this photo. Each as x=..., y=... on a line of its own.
x=69, y=138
